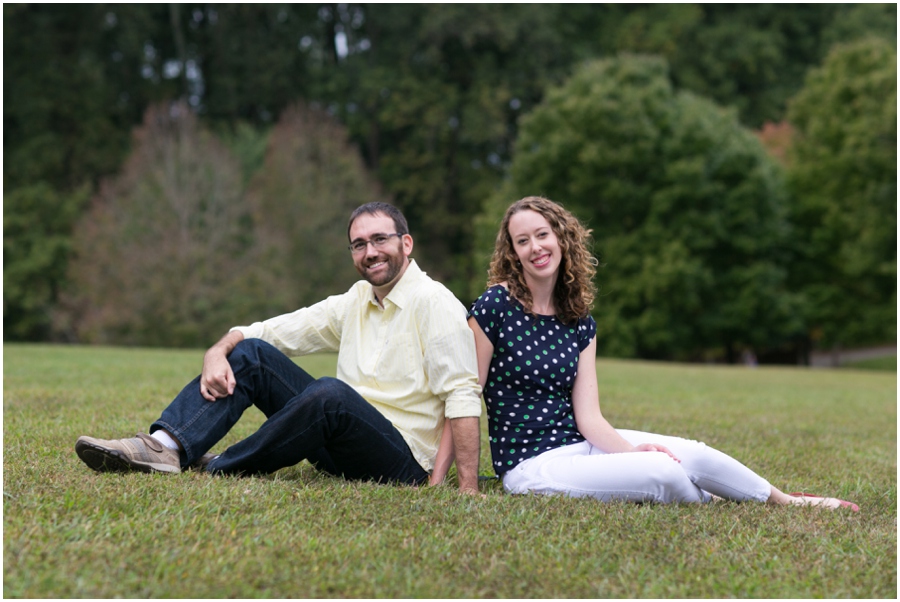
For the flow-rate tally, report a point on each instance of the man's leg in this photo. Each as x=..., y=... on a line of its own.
x=331, y=424
x=265, y=378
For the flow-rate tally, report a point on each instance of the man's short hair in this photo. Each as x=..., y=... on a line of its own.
x=392, y=212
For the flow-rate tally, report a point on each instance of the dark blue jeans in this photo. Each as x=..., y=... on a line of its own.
x=324, y=421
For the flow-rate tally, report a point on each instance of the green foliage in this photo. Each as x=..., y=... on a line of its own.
x=57, y=123
x=248, y=54
x=248, y=144
x=686, y=207
x=854, y=22
x=72, y=90
x=37, y=221
x=433, y=103
x=71, y=533
x=748, y=56
x=432, y=94
x=843, y=174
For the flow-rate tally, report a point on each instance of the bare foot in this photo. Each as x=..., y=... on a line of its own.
x=801, y=499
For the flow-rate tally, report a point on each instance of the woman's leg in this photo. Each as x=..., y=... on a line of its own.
x=582, y=470
x=708, y=468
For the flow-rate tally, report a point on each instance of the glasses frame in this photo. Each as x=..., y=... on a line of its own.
x=377, y=245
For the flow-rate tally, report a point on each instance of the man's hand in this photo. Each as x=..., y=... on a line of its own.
x=466, y=444
x=217, y=378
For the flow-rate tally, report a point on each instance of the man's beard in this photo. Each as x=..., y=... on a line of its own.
x=394, y=266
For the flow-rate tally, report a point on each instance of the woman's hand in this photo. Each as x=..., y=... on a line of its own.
x=643, y=447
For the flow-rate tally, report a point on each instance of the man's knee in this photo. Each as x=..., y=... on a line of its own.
x=330, y=391
x=251, y=347
x=251, y=352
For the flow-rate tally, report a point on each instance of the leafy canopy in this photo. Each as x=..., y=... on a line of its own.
x=843, y=176
x=688, y=211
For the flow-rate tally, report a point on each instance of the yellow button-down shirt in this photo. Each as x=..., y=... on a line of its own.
x=413, y=359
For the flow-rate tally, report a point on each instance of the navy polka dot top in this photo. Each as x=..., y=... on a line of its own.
x=529, y=384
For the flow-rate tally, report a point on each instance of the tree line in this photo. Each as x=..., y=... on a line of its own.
x=170, y=170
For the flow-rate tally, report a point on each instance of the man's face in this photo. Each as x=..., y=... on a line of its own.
x=383, y=266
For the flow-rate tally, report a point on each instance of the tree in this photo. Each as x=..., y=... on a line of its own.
x=687, y=210
x=310, y=181
x=432, y=94
x=182, y=245
x=843, y=175
x=72, y=90
x=251, y=61
x=37, y=222
x=164, y=255
x=748, y=56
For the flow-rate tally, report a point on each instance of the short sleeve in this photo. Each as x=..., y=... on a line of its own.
x=488, y=311
x=587, y=330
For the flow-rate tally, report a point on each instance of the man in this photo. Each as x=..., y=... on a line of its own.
x=406, y=361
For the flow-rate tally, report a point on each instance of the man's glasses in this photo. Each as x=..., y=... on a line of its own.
x=359, y=247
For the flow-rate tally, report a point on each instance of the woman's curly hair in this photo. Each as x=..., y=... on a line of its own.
x=575, y=289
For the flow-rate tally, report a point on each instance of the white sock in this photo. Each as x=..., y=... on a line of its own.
x=164, y=438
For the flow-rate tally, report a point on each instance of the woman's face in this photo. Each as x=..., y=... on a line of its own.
x=535, y=244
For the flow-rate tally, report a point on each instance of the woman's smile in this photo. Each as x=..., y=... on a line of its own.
x=541, y=261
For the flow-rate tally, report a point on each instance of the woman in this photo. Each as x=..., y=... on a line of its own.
x=536, y=345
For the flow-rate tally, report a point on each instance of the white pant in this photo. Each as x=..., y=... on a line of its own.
x=582, y=470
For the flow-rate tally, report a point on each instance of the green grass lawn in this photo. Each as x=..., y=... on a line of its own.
x=69, y=532
x=886, y=364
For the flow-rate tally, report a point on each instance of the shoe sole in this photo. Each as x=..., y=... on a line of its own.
x=111, y=460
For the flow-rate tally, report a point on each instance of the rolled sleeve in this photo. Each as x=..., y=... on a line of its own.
x=450, y=360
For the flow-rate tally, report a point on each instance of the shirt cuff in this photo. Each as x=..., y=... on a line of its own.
x=254, y=331
x=463, y=406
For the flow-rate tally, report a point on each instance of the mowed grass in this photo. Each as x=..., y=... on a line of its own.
x=70, y=532
x=887, y=364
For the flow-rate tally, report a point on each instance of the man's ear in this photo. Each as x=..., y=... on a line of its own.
x=407, y=244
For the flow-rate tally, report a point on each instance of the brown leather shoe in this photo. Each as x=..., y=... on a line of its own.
x=141, y=454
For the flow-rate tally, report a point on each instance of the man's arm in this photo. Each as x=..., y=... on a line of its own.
x=217, y=378
x=466, y=444
x=452, y=374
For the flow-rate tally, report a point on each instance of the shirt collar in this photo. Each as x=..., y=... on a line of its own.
x=404, y=288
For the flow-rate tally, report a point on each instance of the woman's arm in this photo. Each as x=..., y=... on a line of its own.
x=445, y=456
x=484, y=351
x=586, y=405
